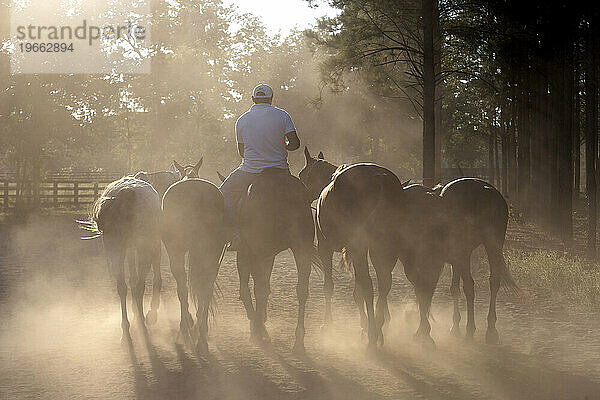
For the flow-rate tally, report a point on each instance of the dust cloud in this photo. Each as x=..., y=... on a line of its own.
x=60, y=334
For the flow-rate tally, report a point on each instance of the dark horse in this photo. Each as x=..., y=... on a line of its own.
x=475, y=214
x=357, y=212
x=275, y=215
x=127, y=217
x=193, y=222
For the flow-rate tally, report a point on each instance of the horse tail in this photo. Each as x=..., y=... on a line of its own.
x=202, y=291
x=494, y=249
x=89, y=226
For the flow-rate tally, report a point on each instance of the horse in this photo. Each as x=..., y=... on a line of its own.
x=161, y=181
x=193, y=222
x=127, y=216
x=357, y=213
x=275, y=215
x=476, y=214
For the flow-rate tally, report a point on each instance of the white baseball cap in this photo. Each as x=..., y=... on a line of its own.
x=262, y=91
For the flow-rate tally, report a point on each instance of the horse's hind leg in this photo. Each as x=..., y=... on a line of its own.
x=117, y=259
x=302, y=258
x=244, y=266
x=152, y=315
x=455, y=293
x=363, y=279
x=360, y=305
x=262, y=290
x=497, y=264
x=145, y=257
x=464, y=266
x=204, y=267
x=326, y=254
x=424, y=275
x=177, y=261
x=384, y=260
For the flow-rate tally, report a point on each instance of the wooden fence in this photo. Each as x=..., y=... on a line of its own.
x=60, y=192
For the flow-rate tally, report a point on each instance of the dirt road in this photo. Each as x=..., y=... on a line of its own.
x=59, y=338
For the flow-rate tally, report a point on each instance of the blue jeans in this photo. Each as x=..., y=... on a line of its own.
x=233, y=188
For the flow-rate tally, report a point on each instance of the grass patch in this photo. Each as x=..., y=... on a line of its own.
x=573, y=278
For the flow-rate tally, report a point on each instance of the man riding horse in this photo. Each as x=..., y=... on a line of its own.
x=264, y=135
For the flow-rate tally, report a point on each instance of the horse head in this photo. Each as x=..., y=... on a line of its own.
x=161, y=180
x=316, y=174
x=188, y=171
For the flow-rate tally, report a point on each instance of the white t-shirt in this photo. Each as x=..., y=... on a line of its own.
x=262, y=129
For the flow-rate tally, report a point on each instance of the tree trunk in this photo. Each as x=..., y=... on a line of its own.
x=523, y=134
x=497, y=160
x=491, y=163
x=512, y=155
x=565, y=157
x=504, y=140
x=591, y=126
x=437, y=55
x=576, y=131
x=428, y=94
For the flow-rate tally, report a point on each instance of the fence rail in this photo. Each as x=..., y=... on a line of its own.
x=54, y=193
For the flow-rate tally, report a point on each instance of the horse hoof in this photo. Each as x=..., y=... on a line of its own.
x=125, y=338
x=371, y=350
x=255, y=338
x=265, y=338
x=427, y=343
x=364, y=334
x=151, y=317
x=299, y=348
x=202, y=348
x=425, y=340
x=491, y=336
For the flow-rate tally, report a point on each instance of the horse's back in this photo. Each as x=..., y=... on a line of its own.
x=361, y=196
x=129, y=206
x=276, y=212
x=192, y=208
x=474, y=205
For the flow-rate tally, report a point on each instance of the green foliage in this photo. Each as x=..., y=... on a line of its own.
x=206, y=58
x=558, y=274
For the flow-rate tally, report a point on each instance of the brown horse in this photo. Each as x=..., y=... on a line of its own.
x=357, y=211
x=127, y=216
x=275, y=215
x=193, y=222
x=161, y=181
x=476, y=214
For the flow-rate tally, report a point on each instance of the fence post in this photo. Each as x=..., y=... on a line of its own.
x=5, y=203
x=76, y=193
x=55, y=193
x=95, y=190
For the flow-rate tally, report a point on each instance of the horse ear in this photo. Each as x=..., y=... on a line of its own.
x=172, y=168
x=405, y=183
x=198, y=165
x=180, y=169
x=320, y=156
x=221, y=177
x=307, y=154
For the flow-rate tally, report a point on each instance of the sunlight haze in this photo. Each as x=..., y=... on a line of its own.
x=282, y=16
